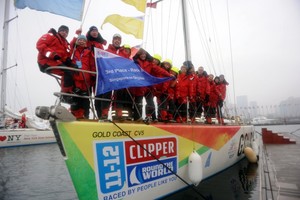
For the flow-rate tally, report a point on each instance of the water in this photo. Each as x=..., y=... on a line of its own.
x=34, y=173
x=39, y=173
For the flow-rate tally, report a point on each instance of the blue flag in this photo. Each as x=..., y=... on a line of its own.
x=115, y=72
x=68, y=8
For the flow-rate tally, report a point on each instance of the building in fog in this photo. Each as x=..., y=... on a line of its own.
x=253, y=109
x=289, y=108
x=242, y=107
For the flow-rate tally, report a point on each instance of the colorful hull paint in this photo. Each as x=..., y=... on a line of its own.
x=22, y=137
x=105, y=163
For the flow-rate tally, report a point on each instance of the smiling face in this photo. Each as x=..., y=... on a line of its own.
x=155, y=61
x=81, y=42
x=117, y=41
x=167, y=65
x=143, y=55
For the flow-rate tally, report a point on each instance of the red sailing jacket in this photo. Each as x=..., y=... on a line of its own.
x=151, y=69
x=214, y=96
x=92, y=44
x=193, y=93
x=52, y=44
x=114, y=50
x=84, y=59
x=161, y=87
x=222, y=89
x=184, y=88
x=123, y=53
x=203, y=88
x=171, y=87
x=146, y=66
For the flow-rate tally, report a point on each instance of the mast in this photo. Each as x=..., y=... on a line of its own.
x=4, y=60
x=186, y=33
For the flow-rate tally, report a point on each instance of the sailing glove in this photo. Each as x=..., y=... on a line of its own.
x=69, y=63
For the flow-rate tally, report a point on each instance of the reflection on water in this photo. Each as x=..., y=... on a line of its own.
x=237, y=182
x=248, y=177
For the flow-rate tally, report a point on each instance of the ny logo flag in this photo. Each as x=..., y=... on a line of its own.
x=115, y=72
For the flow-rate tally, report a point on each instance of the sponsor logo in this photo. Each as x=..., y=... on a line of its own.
x=10, y=138
x=245, y=141
x=164, y=147
x=147, y=172
x=111, y=166
x=2, y=138
x=124, y=168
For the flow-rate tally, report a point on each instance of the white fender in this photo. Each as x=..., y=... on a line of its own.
x=255, y=148
x=195, y=171
x=250, y=154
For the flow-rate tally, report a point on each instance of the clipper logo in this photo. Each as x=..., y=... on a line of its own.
x=162, y=147
x=111, y=169
x=143, y=165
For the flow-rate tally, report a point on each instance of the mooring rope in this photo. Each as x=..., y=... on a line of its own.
x=164, y=165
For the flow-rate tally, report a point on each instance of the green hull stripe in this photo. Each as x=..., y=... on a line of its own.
x=85, y=183
x=200, y=151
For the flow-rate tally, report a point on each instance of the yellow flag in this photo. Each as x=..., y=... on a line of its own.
x=129, y=25
x=140, y=5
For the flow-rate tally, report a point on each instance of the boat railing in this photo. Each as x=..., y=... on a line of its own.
x=91, y=96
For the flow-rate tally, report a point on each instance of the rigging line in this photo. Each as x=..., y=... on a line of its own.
x=217, y=43
x=16, y=90
x=203, y=44
x=161, y=32
x=145, y=27
x=231, y=57
x=22, y=65
x=84, y=16
x=82, y=21
x=176, y=28
x=157, y=159
x=208, y=36
x=168, y=27
x=149, y=21
x=203, y=40
x=148, y=29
